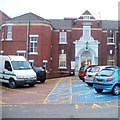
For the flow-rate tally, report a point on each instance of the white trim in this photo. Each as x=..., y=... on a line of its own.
x=110, y=43
x=62, y=67
x=33, y=35
x=33, y=53
x=21, y=51
x=31, y=61
x=62, y=43
x=8, y=39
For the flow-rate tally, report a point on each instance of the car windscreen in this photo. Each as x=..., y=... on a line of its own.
x=94, y=69
x=106, y=72
x=20, y=65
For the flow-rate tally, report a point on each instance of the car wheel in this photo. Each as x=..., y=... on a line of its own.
x=42, y=81
x=31, y=85
x=99, y=90
x=89, y=84
x=116, y=90
x=12, y=84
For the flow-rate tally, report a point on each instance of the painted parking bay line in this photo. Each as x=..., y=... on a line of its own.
x=46, y=99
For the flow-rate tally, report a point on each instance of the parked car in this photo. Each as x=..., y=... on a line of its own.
x=83, y=70
x=41, y=74
x=91, y=74
x=108, y=79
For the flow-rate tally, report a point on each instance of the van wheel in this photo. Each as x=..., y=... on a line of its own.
x=12, y=84
x=116, y=90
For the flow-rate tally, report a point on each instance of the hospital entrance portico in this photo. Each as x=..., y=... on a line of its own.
x=86, y=51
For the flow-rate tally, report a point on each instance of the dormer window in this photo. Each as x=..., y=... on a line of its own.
x=86, y=17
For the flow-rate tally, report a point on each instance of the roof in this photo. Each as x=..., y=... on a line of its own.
x=28, y=17
x=108, y=24
x=86, y=13
x=3, y=16
x=66, y=23
x=61, y=23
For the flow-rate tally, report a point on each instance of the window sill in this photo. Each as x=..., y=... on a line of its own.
x=62, y=67
x=63, y=43
x=9, y=39
x=110, y=43
x=33, y=53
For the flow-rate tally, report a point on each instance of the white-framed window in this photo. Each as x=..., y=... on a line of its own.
x=111, y=61
x=62, y=61
x=86, y=31
x=110, y=38
x=63, y=37
x=9, y=32
x=21, y=53
x=86, y=17
x=33, y=44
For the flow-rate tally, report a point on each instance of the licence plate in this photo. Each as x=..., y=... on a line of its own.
x=99, y=80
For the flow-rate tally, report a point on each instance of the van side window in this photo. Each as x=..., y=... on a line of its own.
x=8, y=66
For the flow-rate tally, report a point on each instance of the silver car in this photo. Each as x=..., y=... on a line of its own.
x=91, y=73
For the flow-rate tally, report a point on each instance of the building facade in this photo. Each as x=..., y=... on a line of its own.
x=62, y=45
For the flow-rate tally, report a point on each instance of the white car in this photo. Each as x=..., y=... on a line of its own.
x=91, y=73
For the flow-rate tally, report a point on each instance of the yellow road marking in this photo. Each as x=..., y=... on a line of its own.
x=44, y=102
x=76, y=106
x=96, y=106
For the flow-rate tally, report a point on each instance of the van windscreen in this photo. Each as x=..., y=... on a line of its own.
x=20, y=65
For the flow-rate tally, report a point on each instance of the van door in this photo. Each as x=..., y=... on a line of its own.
x=7, y=72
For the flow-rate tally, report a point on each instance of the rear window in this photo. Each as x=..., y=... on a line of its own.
x=106, y=72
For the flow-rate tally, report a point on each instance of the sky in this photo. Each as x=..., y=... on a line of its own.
x=60, y=9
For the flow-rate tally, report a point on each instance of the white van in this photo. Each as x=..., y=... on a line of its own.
x=16, y=70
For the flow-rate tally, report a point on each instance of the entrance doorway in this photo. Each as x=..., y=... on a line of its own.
x=86, y=58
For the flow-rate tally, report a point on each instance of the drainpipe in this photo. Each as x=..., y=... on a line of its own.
x=27, y=40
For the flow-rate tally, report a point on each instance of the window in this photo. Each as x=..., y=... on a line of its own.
x=63, y=38
x=111, y=61
x=9, y=32
x=21, y=53
x=33, y=44
x=86, y=31
x=86, y=17
x=110, y=38
x=8, y=66
x=62, y=61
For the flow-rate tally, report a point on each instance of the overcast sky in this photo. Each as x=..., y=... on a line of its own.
x=58, y=9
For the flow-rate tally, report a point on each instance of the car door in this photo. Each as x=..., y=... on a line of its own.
x=119, y=76
x=7, y=72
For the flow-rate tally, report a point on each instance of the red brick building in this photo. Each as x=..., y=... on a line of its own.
x=62, y=45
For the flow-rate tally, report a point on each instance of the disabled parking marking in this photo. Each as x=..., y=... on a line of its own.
x=69, y=90
x=52, y=92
